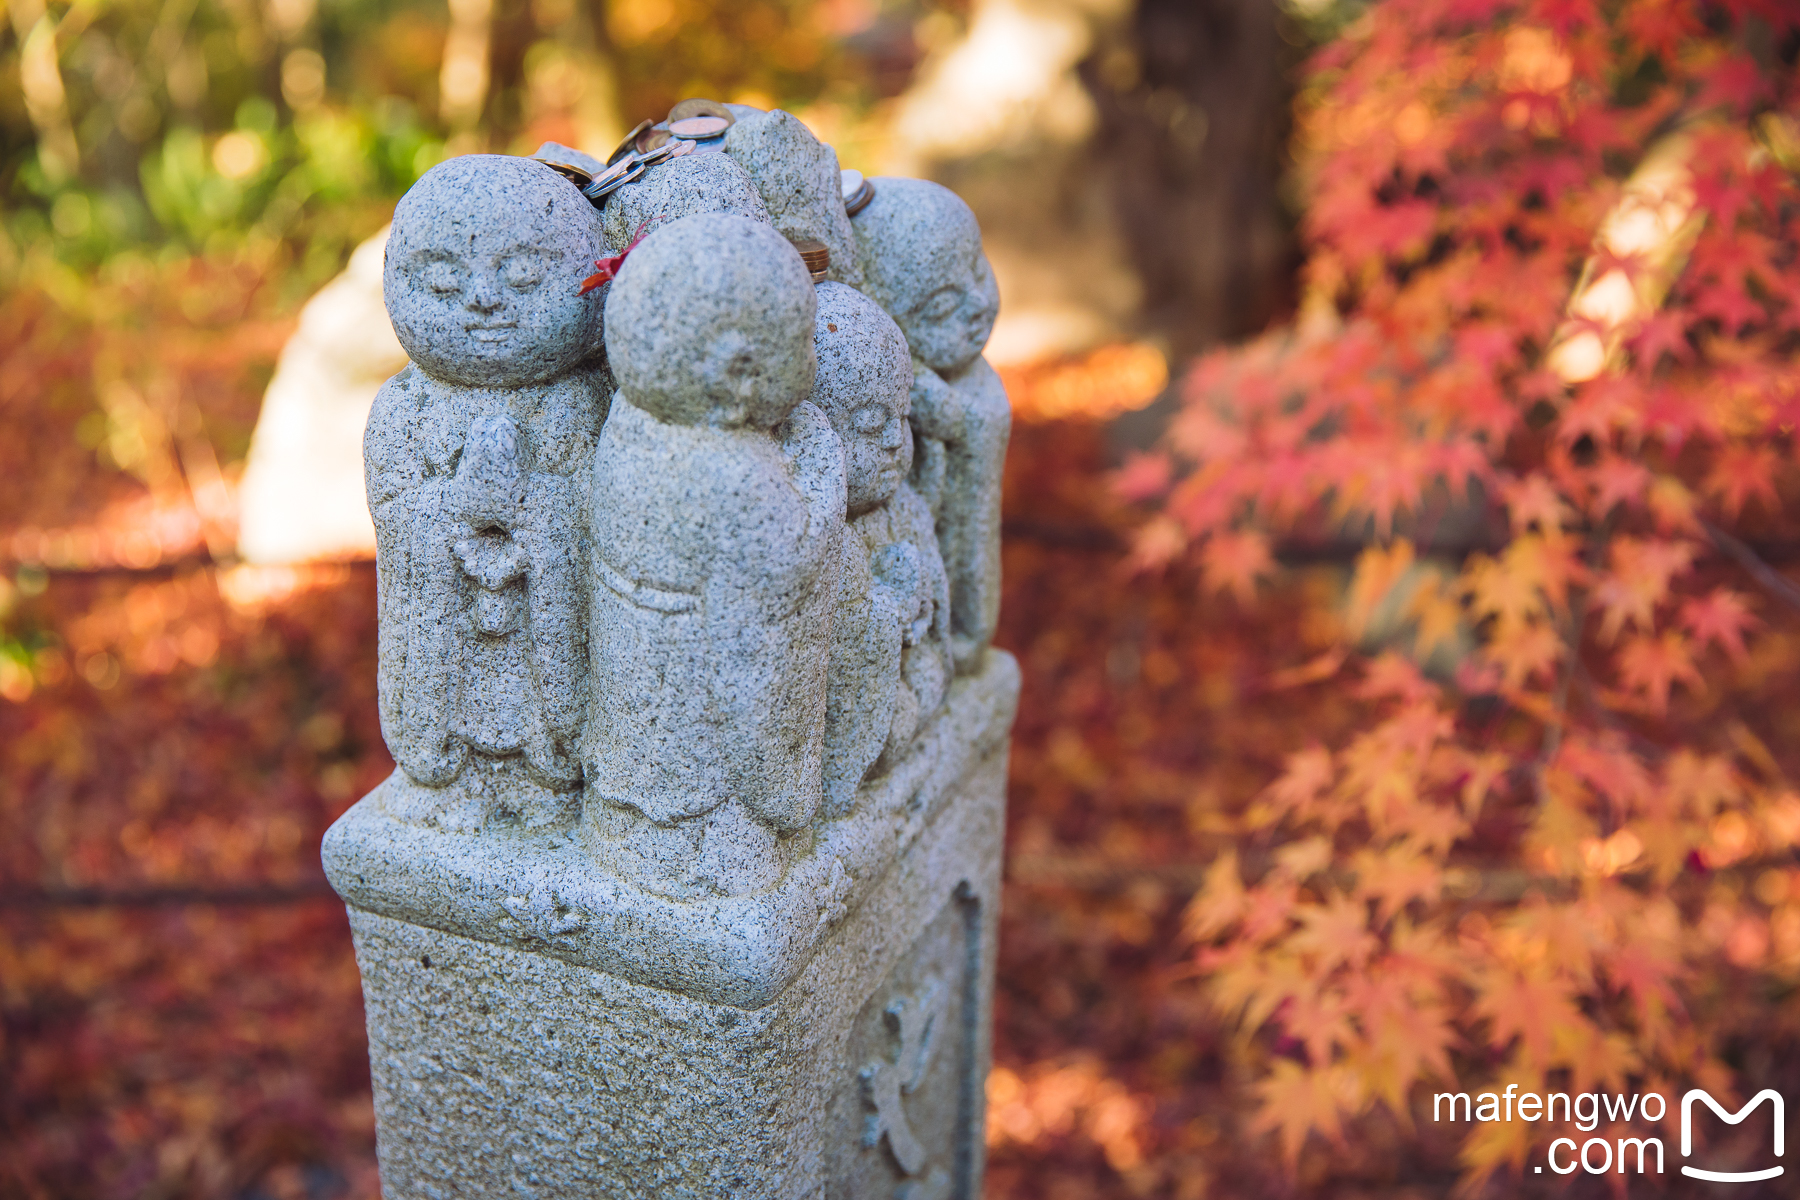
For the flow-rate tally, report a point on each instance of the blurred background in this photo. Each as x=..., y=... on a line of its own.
x=187, y=654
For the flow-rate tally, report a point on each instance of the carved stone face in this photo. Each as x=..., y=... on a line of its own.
x=922, y=261
x=954, y=308
x=864, y=385
x=877, y=450
x=483, y=272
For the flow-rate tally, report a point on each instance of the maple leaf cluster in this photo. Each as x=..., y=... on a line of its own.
x=1545, y=376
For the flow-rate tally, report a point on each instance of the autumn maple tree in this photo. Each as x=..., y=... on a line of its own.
x=1544, y=382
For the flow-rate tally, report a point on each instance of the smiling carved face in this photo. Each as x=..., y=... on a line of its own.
x=922, y=261
x=950, y=323
x=483, y=273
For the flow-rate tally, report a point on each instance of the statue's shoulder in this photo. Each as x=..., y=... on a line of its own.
x=980, y=389
x=406, y=388
x=392, y=440
x=912, y=515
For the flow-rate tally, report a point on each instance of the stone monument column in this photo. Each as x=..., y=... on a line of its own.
x=687, y=882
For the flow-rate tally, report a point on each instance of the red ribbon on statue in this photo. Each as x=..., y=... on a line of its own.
x=609, y=267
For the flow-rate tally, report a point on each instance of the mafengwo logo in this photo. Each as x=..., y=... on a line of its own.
x=1687, y=1134
x=1598, y=1155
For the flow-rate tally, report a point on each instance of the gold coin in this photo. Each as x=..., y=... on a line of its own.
x=628, y=144
x=699, y=127
x=816, y=255
x=572, y=173
x=700, y=108
x=651, y=138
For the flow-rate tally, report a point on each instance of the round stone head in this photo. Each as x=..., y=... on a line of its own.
x=922, y=261
x=710, y=322
x=864, y=385
x=484, y=269
x=680, y=187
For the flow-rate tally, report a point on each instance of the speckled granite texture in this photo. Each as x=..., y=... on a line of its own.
x=686, y=882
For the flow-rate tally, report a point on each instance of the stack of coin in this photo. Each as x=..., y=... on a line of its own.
x=816, y=255
x=857, y=190
x=569, y=171
x=699, y=128
x=628, y=143
x=693, y=121
x=623, y=169
x=701, y=108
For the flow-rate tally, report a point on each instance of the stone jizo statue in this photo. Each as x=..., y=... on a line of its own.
x=716, y=512
x=476, y=458
x=686, y=882
x=924, y=264
x=891, y=662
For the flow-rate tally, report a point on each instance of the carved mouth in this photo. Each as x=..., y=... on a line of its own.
x=491, y=333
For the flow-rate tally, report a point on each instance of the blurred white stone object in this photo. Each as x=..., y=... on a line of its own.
x=302, y=493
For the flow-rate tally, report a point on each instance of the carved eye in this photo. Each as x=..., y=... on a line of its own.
x=442, y=275
x=522, y=272
x=869, y=419
x=940, y=304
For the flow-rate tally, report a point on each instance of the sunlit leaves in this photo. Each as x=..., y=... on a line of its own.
x=1539, y=320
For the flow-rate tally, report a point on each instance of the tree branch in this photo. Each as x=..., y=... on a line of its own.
x=1773, y=581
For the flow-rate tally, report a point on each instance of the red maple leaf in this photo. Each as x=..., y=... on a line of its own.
x=1234, y=560
x=609, y=266
x=1734, y=81
x=1143, y=476
x=1659, y=334
x=1722, y=616
x=1742, y=473
x=1661, y=26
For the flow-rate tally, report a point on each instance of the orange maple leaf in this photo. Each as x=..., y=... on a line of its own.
x=1333, y=933
x=1523, y=652
x=1653, y=665
x=1295, y=1101
x=1395, y=877
x=1233, y=560
x=1529, y=1006
x=1534, y=500
x=1638, y=581
x=1220, y=901
x=1158, y=543
x=1308, y=773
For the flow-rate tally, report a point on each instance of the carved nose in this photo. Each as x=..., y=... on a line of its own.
x=483, y=295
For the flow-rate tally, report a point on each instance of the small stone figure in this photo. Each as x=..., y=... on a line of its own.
x=717, y=514
x=679, y=187
x=798, y=179
x=472, y=454
x=891, y=660
x=922, y=261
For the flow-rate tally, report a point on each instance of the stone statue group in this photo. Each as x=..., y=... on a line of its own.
x=678, y=563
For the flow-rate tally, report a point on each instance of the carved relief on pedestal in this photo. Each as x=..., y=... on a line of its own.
x=917, y=1064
